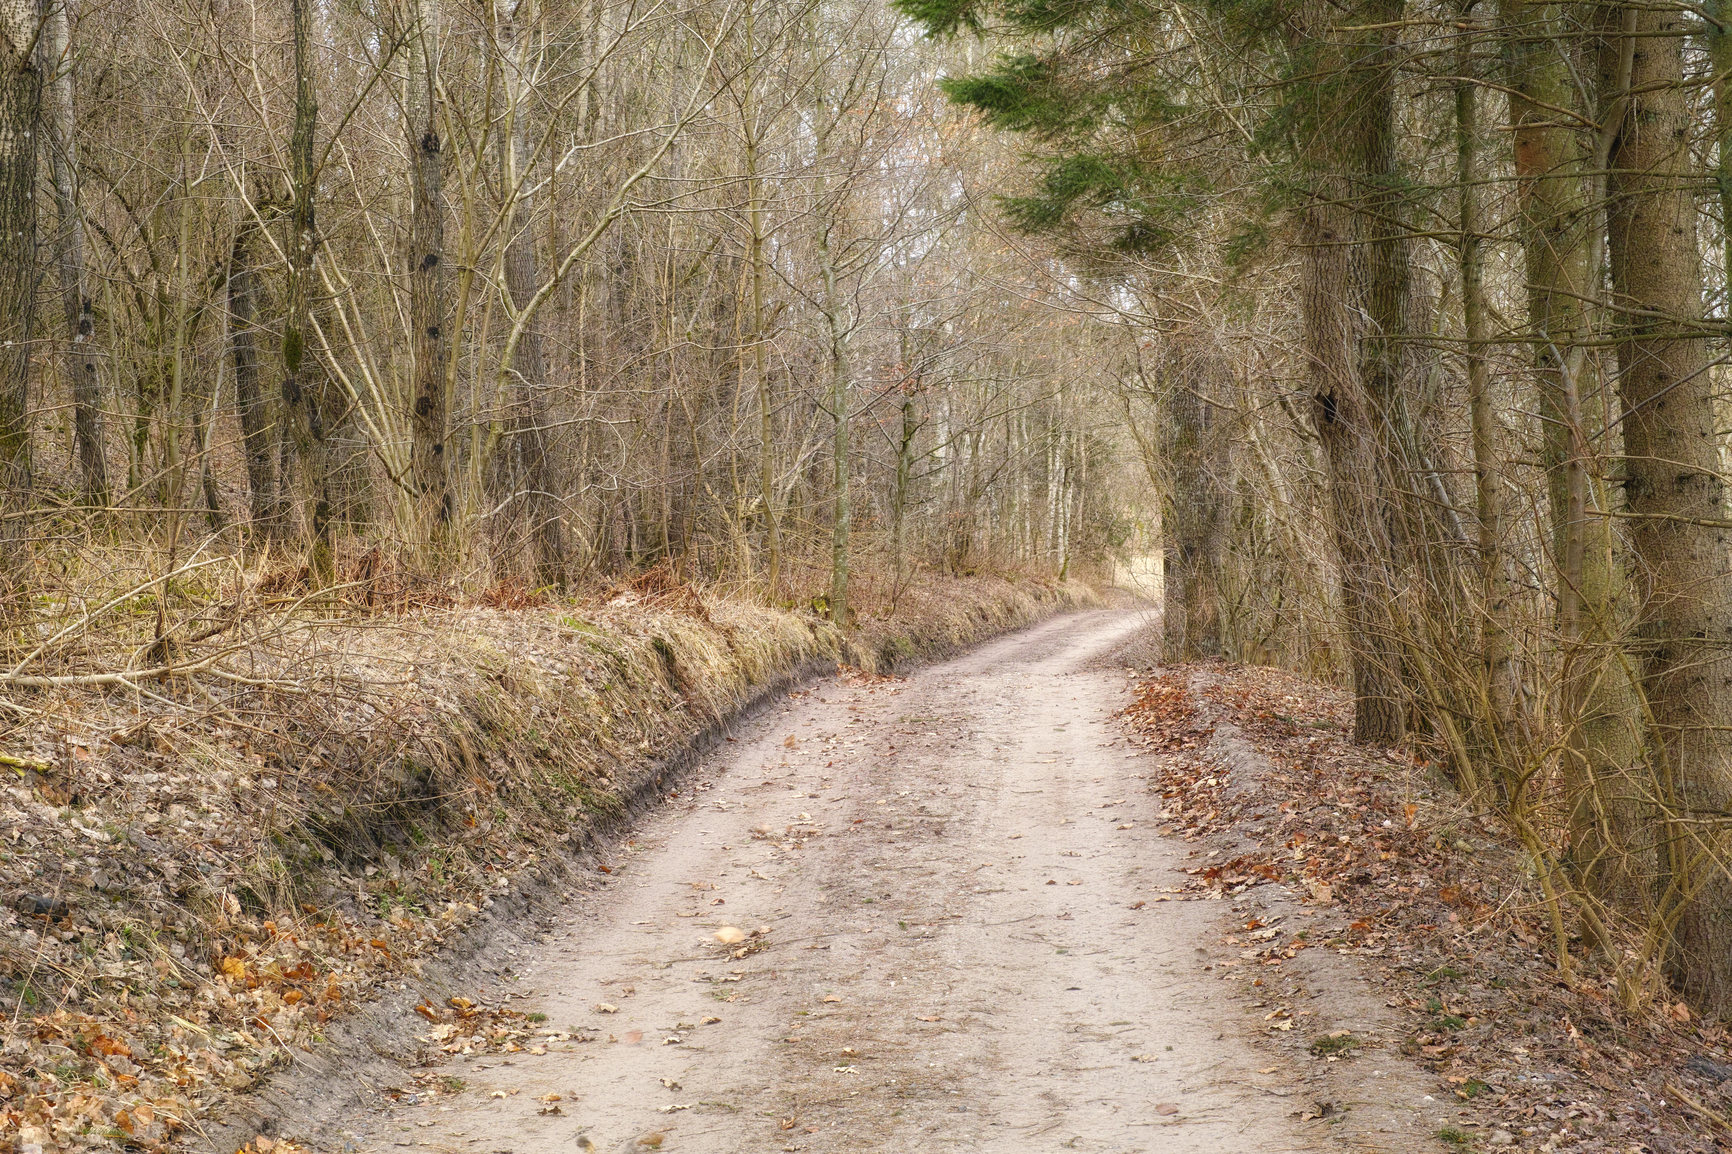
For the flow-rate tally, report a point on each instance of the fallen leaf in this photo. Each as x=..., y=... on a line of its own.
x=652, y=1141
x=606, y=1008
x=1166, y=1109
x=730, y=935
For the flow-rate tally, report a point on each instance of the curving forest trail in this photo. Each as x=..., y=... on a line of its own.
x=973, y=940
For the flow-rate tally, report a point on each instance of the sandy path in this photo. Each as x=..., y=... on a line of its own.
x=947, y=866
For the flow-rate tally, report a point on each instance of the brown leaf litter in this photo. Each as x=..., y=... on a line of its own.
x=1435, y=901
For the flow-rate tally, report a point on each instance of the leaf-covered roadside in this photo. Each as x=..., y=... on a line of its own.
x=194, y=888
x=1438, y=902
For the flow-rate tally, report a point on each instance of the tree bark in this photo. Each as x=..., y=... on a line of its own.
x=537, y=470
x=78, y=355
x=842, y=509
x=304, y=398
x=20, y=120
x=1672, y=482
x=429, y=469
x=1605, y=767
x=1349, y=328
x=250, y=399
x=752, y=129
x=1193, y=527
x=1497, y=664
x=1345, y=417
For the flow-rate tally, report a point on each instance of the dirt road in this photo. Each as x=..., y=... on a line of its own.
x=946, y=868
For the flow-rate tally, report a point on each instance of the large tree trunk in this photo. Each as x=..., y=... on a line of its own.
x=1193, y=527
x=249, y=394
x=20, y=119
x=532, y=445
x=303, y=397
x=1351, y=327
x=429, y=468
x=1345, y=418
x=1674, y=489
x=1611, y=847
x=78, y=356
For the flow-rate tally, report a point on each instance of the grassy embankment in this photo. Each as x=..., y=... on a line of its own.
x=204, y=867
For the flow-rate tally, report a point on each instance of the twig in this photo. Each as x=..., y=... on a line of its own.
x=1690, y=1100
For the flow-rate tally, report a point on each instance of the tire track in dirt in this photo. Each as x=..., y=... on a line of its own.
x=944, y=868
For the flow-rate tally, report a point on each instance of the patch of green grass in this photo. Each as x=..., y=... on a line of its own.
x=537, y=1018
x=1448, y=1022
x=451, y=1085
x=1472, y=1088
x=1441, y=974
x=1334, y=1044
x=1460, y=1139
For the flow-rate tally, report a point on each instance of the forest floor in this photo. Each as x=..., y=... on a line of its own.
x=1434, y=905
x=946, y=912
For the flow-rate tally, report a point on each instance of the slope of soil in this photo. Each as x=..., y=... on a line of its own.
x=204, y=871
x=891, y=915
x=1436, y=904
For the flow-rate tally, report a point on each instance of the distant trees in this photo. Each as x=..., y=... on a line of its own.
x=536, y=292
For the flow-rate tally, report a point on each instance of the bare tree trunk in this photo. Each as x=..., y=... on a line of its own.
x=78, y=357
x=522, y=278
x=1345, y=420
x=1611, y=848
x=1193, y=526
x=303, y=399
x=759, y=272
x=1719, y=44
x=430, y=471
x=900, y=496
x=1675, y=493
x=20, y=118
x=249, y=393
x=842, y=515
x=1354, y=374
x=1495, y=651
